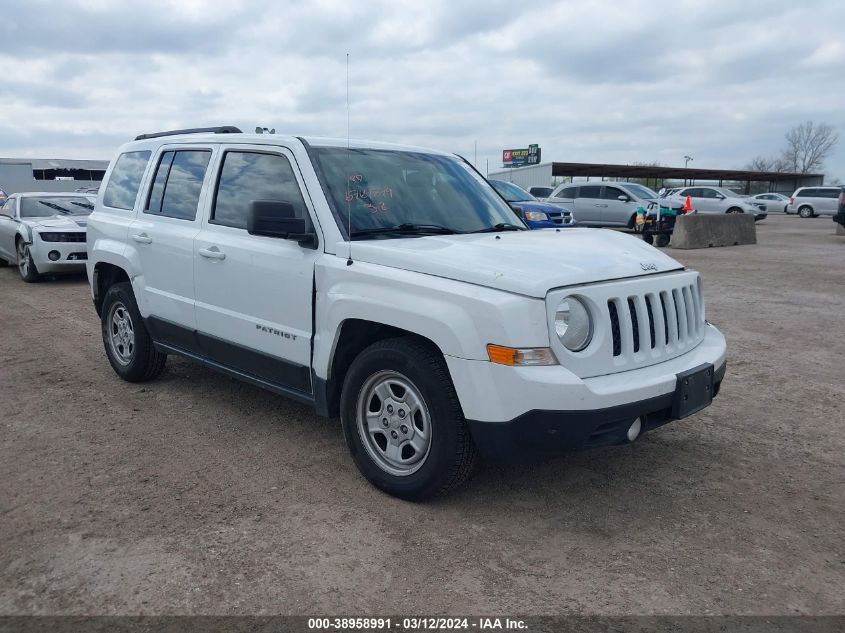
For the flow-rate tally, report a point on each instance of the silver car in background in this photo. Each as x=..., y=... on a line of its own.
x=773, y=201
x=721, y=200
x=45, y=233
x=603, y=203
x=810, y=202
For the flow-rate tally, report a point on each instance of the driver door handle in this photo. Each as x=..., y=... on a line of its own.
x=212, y=253
x=142, y=238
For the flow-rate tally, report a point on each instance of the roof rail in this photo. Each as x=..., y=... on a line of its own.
x=223, y=129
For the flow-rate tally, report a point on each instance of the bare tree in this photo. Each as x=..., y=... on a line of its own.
x=807, y=147
x=760, y=163
x=763, y=163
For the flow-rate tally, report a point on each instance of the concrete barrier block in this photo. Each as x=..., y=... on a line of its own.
x=840, y=230
x=702, y=230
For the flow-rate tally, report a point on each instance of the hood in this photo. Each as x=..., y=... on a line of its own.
x=524, y=262
x=67, y=222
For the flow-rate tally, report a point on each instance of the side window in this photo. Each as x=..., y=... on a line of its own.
x=177, y=184
x=806, y=193
x=590, y=191
x=612, y=193
x=247, y=176
x=570, y=193
x=710, y=194
x=8, y=208
x=125, y=180
x=829, y=193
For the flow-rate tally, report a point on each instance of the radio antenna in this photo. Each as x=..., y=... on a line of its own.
x=348, y=176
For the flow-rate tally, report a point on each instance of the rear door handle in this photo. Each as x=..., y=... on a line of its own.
x=212, y=253
x=142, y=238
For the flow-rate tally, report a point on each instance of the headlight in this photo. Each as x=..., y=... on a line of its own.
x=536, y=216
x=573, y=324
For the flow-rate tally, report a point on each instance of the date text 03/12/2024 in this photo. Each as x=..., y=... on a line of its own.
x=416, y=624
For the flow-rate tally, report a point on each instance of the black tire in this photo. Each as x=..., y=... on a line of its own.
x=648, y=238
x=3, y=263
x=144, y=361
x=632, y=223
x=806, y=212
x=735, y=210
x=662, y=240
x=452, y=453
x=28, y=271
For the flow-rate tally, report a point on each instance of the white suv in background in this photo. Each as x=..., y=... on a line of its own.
x=811, y=202
x=392, y=287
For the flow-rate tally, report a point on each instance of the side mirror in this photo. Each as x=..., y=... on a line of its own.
x=720, y=196
x=622, y=198
x=277, y=218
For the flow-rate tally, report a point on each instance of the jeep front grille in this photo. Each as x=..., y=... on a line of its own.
x=638, y=322
x=678, y=322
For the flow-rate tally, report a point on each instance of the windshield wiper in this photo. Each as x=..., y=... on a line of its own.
x=407, y=229
x=502, y=226
x=56, y=207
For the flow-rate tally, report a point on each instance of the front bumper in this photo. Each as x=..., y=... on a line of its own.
x=508, y=406
x=540, y=432
x=72, y=256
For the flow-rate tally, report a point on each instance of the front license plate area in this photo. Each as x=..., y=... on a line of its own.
x=693, y=391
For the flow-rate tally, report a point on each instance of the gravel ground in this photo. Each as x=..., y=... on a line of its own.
x=199, y=494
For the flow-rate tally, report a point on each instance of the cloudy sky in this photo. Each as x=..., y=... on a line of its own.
x=609, y=81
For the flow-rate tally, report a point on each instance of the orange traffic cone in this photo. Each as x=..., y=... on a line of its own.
x=687, y=205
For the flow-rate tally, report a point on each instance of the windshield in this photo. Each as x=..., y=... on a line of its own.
x=510, y=191
x=640, y=191
x=35, y=207
x=387, y=188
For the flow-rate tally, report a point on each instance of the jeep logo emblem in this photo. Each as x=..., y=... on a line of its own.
x=648, y=266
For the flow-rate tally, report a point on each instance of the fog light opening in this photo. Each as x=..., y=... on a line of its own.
x=634, y=430
x=54, y=256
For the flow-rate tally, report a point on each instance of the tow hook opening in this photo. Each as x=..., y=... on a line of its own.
x=634, y=430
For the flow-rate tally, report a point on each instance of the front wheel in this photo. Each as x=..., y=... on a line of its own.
x=26, y=267
x=735, y=210
x=662, y=240
x=129, y=347
x=402, y=420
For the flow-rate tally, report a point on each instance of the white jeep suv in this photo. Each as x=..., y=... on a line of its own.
x=393, y=287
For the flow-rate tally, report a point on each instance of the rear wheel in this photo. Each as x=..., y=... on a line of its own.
x=402, y=420
x=26, y=267
x=806, y=212
x=735, y=210
x=129, y=347
x=662, y=240
x=648, y=238
x=3, y=263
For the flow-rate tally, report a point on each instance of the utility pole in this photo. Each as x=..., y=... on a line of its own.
x=687, y=159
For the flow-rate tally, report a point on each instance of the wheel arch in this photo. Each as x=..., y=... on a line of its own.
x=353, y=336
x=105, y=275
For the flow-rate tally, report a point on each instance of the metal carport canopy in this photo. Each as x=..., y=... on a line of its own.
x=675, y=173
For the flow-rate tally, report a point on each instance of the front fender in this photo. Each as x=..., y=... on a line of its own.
x=459, y=318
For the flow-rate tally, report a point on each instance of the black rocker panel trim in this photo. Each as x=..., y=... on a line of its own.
x=262, y=369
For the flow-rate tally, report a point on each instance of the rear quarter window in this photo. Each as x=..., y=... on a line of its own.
x=125, y=180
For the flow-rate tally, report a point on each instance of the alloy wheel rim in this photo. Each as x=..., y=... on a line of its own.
x=121, y=334
x=394, y=423
x=23, y=259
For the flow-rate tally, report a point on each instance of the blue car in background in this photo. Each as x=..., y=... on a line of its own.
x=536, y=214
